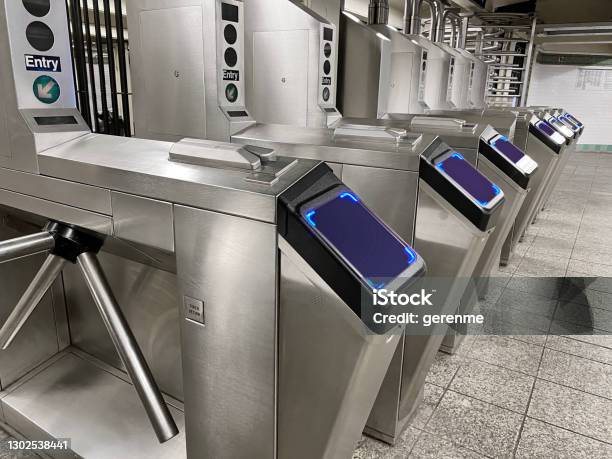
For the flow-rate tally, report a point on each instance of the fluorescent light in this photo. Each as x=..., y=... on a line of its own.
x=352, y=16
x=382, y=37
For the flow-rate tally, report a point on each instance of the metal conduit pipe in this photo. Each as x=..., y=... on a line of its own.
x=378, y=12
x=412, y=17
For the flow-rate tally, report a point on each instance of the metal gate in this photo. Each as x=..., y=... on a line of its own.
x=101, y=62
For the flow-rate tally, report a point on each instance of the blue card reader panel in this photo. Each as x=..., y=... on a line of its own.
x=468, y=178
x=374, y=252
x=508, y=158
x=547, y=134
x=573, y=120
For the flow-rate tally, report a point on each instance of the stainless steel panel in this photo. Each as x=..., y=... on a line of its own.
x=546, y=159
x=73, y=194
x=141, y=167
x=330, y=366
x=38, y=340
x=99, y=412
x=451, y=246
x=280, y=75
x=144, y=221
x=149, y=300
x=96, y=222
x=391, y=194
x=229, y=365
x=515, y=197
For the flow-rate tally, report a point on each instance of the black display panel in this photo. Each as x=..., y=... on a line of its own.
x=55, y=120
x=229, y=12
x=468, y=178
x=508, y=149
x=237, y=113
x=328, y=34
x=358, y=236
x=546, y=128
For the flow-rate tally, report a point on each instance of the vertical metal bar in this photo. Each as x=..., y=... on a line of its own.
x=92, y=78
x=46, y=275
x=79, y=54
x=102, y=74
x=24, y=246
x=110, y=50
x=128, y=348
x=528, y=63
x=125, y=99
x=70, y=37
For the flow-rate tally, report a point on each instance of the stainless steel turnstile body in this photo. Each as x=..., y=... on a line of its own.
x=383, y=167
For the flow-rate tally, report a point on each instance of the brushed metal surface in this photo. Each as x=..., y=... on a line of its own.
x=127, y=348
x=142, y=220
x=546, y=159
x=450, y=254
x=149, y=300
x=141, y=167
x=99, y=412
x=96, y=222
x=38, y=339
x=330, y=366
x=229, y=365
x=73, y=194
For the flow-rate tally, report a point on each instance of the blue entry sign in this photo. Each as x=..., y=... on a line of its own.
x=468, y=178
x=46, y=89
x=359, y=237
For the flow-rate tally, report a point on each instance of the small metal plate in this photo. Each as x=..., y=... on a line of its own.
x=194, y=309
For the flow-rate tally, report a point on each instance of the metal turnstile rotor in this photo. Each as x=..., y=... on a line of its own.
x=71, y=245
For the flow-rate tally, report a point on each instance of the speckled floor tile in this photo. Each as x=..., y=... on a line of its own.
x=501, y=319
x=477, y=425
x=601, y=284
x=3, y=435
x=432, y=446
x=540, y=266
x=577, y=372
x=547, y=245
x=571, y=409
x=499, y=386
x=576, y=345
x=528, y=301
x=373, y=449
x=508, y=353
x=578, y=293
x=544, y=441
x=585, y=315
x=581, y=333
x=543, y=286
x=443, y=369
x=431, y=397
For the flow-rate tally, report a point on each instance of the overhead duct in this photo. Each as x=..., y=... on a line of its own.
x=378, y=12
x=412, y=17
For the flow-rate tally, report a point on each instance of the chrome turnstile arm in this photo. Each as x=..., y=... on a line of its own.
x=127, y=347
x=71, y=245
x=26, y=245
x=46, y=275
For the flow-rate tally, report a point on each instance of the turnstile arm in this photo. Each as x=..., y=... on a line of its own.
x=26, y=245
x=46, y=275
x=127, y=347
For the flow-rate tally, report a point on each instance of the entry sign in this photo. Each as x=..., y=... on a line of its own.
x=36, y=63
x=46, y=89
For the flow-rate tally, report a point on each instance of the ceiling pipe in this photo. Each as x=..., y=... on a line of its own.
x=378, y=12
x=412, y=17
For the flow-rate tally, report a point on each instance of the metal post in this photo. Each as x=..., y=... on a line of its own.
x=128, y=348
x=46, y=275
x=528, y=64
x=24, y=246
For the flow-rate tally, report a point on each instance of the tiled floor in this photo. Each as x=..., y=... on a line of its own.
x=547, y=394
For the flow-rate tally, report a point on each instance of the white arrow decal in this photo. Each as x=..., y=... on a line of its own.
x=43, y=91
